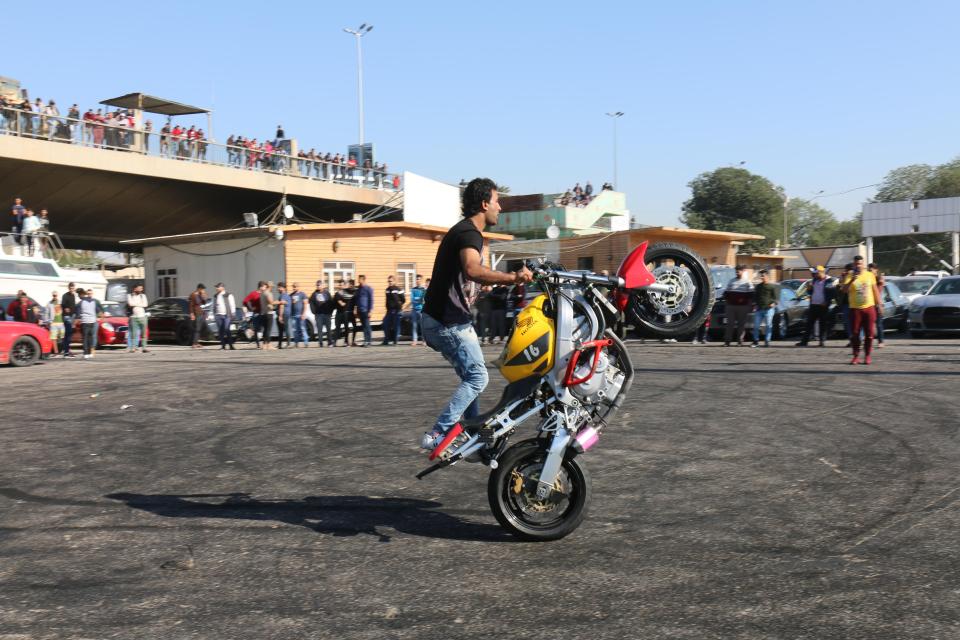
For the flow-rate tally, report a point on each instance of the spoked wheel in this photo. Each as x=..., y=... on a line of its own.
x=685, y=307
x=512, y=491
x=24, y=352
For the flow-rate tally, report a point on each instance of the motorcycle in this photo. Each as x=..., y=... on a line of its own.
x=566, y=365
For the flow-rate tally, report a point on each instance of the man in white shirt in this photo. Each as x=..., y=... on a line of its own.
x=224, y=309
x=137, y=331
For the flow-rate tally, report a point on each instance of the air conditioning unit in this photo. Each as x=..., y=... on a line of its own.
x=358, y=217
x=250, y=219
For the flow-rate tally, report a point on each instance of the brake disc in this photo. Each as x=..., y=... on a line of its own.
x=668, y=303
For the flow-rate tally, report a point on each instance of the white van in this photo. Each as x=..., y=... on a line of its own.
x=39, y=277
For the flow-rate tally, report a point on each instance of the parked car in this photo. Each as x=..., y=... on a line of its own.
x=790, y=317
x=23, y=343
x=896, y=306
x=793, y=283
x=169, y=320
x=938, y=311
x=913, y=287
x=932, y=274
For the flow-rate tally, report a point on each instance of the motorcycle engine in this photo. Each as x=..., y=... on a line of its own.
x=604, y=385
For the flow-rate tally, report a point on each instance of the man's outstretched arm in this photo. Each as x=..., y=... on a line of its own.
x=473, y=267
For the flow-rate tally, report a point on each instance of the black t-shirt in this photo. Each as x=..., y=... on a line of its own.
x=450, y=293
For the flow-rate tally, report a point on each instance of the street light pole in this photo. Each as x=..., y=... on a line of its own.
x=358, y=33
x=616, y=115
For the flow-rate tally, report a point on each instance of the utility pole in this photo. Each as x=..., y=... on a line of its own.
x=358, y=33
x=616, y=115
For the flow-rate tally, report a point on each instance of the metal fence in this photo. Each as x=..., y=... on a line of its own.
x=119, y=138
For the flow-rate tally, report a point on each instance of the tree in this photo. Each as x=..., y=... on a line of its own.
x=945, y=181
x=733, y=199
x=904, y=183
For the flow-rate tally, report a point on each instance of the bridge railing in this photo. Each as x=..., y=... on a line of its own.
x=119, y=138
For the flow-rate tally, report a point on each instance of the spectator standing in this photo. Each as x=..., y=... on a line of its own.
x=298, y=316
x=22, y=311
x=395, y=298
x=821, y=295
x=30, y=228
x=417, y=295
x=588, y=190
x=323, y=306
x=147, y=130
x=343, y=298
x=282, y=306
x=252, y=304
x=18, y=211
x=224, y=310
x=881, y=281
x=281, y=134
x=68, y=304
x=55, y=324
x=267, y=312
x=765, y=296
x=197, y=316
x=738, y=298
x=483, y=306
x=88, y=312
x=364, y=305
x=863, y=294
x=137, y=310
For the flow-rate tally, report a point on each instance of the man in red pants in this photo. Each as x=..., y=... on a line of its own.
x=861, y=288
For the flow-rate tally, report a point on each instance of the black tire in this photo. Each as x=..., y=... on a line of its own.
x=24, y=352
x=508, y=504
x=919, y=335
x=184, y=335
x=645, y=311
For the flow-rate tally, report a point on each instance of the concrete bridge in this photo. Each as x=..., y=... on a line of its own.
x=97, y=197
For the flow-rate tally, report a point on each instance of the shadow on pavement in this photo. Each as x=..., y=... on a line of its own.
x=334, y=515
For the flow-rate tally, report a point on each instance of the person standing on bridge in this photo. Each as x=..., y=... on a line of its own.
x=18, y=211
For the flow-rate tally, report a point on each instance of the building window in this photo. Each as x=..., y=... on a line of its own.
x=585, y=263
x=407, y=274
x=333, y=271
x=166, y=283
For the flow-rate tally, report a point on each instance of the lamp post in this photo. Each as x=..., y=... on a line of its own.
x=616, y=115
x=358, y=33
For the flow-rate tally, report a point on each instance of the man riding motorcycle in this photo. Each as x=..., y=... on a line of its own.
x=447, y=327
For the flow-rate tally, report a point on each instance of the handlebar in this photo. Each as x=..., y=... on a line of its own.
x=543, y=271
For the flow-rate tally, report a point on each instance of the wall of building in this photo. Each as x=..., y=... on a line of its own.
x=249, y=259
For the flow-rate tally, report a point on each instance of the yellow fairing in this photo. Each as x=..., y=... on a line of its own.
x=529, y=351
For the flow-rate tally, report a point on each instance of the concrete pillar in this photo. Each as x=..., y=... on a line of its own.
x=956, y=252
x=869, y=256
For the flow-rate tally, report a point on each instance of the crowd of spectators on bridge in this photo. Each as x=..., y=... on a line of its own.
x=29, y=231
x=119, y=130
x=581, y=196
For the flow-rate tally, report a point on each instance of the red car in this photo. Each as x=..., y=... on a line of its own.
x=111, y=328
x=22, y=343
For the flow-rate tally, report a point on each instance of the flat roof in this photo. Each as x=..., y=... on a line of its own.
x=336, y=226
x=730, y=235
x=153, y=104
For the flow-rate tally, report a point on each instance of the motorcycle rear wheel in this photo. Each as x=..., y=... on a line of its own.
x=512, y=494
x=657, y=315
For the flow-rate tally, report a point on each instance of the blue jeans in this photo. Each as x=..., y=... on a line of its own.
x=459, y=345
x=416, y=319
x=763, y=315
x=365, y=321
x=67, y=334
x=323, y=326
x=299, y=330
x=223, y=330
x=391, y=326
x=137, y=332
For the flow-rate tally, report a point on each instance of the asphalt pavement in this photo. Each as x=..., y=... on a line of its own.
x=742, y=493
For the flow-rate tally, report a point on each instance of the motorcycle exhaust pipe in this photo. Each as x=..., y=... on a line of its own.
x=586, y=438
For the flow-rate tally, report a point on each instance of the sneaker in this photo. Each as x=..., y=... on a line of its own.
x=754, y=345
x=766, y=343
x=87, y=356
x=726, y=344
x=855, y=360
x=879, y=345
x=866, y=360
x=431, y=439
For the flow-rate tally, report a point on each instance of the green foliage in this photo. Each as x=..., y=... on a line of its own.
x=733, y=199
x=77, y=258
x=905, y=183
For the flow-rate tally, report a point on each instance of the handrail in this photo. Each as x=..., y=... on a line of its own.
x=45, y=241
x=100, y=135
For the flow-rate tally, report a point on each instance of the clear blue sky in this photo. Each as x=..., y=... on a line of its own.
x=814, y=95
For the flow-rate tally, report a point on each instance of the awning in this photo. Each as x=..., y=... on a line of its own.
x=153, y=104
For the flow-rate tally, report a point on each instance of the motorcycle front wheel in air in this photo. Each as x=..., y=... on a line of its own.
x=685, y=308
x=512, y=491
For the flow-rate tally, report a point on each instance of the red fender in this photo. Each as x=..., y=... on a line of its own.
x=635, y=274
